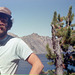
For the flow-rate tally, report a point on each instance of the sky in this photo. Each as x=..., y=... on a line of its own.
x=35, y=16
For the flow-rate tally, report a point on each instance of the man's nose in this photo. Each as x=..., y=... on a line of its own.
x=1, y=22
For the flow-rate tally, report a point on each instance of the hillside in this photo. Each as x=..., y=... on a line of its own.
x=36, y=42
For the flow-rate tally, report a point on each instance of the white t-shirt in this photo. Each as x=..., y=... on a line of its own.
x=11, y=50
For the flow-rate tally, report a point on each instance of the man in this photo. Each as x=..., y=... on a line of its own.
x=13, y=49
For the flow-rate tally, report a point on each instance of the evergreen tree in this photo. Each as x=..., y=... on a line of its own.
x=63, y=37
x=58, y=59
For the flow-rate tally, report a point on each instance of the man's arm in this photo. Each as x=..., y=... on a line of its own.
x=37, y=65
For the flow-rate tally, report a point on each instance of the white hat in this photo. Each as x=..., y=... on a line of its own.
x=5, y=10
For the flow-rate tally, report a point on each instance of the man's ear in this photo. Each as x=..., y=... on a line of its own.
x=8, y=28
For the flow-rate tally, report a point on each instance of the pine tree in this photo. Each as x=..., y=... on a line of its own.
x=58, y=60
x=63, y=36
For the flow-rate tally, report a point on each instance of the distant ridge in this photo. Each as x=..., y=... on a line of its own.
x=36, y=42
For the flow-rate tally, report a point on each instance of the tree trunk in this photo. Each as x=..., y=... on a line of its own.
x=56, y=47
x=59, y=67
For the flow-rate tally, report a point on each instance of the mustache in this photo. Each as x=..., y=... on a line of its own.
x=2, y=24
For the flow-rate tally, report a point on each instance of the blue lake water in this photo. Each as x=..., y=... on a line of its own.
x=24, y=67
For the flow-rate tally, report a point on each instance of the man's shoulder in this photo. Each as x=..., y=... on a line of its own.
x=16, y=39
x=11, y=38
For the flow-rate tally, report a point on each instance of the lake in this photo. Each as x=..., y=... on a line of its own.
x=24, y=67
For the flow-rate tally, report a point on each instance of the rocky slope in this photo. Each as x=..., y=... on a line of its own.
x=36, y=42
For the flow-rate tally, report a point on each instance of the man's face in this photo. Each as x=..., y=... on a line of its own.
x=3, y=26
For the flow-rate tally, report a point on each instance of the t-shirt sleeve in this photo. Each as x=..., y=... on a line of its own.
x=23, y=50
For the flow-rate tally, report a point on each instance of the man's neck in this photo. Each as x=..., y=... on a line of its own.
x=1, y=38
